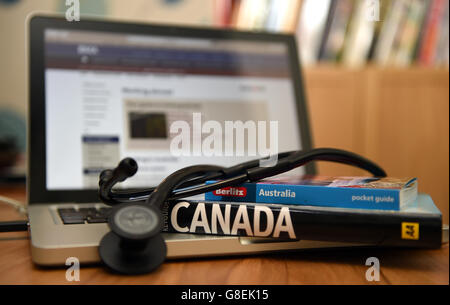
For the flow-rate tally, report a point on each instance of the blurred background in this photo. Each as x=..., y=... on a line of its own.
x=376, y=73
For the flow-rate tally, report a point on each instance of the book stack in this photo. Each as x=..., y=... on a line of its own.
x=360, y=210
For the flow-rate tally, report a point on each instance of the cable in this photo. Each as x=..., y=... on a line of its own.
x=14, y=226
x=15, y=204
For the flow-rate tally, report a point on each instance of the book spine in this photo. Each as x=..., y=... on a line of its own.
x=431, y=32
x=339, y=197
x=410, y=33
x=287, y=222
x=326, y=32
x=389, y=31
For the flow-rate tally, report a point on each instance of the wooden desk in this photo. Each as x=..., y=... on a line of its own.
x=398, y=266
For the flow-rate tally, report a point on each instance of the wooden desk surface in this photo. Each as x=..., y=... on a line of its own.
x=398, y=266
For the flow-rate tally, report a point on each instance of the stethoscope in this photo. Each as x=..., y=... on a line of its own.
x=135, y=244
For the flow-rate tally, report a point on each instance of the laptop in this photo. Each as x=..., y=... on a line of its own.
x=103, y=90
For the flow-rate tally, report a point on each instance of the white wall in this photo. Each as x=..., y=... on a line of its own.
x=193, y=12
x=13, y=68
x=13, y=83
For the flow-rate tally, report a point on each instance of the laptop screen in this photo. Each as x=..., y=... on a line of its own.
x=168, y=102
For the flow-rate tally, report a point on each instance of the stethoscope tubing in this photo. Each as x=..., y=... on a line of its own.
x=190, y=181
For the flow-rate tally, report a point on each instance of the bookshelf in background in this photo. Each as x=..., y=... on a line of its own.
x=351, y=32
x=259, y=15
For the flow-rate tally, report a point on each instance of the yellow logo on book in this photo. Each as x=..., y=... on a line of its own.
x=410, y=230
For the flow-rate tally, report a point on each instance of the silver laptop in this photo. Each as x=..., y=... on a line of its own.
x=101, y=91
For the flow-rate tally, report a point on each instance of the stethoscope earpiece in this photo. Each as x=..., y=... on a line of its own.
x=134, y=245
x=126, y=168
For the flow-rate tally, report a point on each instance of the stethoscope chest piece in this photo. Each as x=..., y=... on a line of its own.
x=135, y=244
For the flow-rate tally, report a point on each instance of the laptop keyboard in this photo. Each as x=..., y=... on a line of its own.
x=72, y=216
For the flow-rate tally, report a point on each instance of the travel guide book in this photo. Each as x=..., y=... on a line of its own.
x=418, y=225
x=342, y=192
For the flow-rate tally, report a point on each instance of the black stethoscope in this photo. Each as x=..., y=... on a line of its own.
x=135, y=245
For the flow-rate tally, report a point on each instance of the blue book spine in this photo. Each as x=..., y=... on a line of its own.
x=338, y=197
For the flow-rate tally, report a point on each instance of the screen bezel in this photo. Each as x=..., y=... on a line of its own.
x=36, y=182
